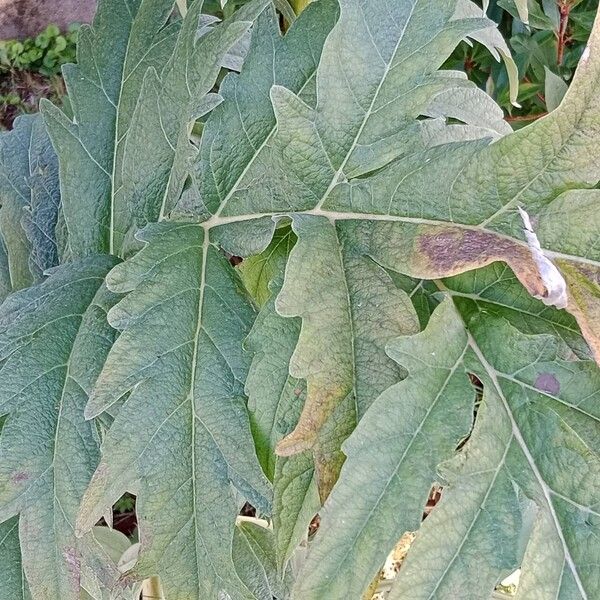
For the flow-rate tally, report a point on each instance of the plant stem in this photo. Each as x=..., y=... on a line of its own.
x=564, y=10
x=151, y=589
x=299, y=5
x=526, y=117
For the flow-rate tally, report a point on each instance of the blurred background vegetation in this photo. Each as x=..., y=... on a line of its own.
x=546, y=49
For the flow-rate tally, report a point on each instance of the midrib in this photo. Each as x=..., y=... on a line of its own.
x=117, y=141
x=340, y=172
x=333, y=216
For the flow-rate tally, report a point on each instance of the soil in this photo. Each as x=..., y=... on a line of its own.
x=24, y=18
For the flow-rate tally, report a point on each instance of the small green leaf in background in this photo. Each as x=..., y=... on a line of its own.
x=554, y=90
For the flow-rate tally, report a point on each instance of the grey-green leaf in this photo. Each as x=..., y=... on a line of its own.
x=29, y=200
x=555, y=88
x=289, y=60
x=392, y=461
x=535, y=444
x=182, y=435
x=158, y=150
x=275, y=400
x=14, y=585
x=254, y=556
x=53, y=339
x=126, y=38
x=342, y=295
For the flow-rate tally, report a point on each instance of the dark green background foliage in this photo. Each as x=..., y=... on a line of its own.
x=536, y=48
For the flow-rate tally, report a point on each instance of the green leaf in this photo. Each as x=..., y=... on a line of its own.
x=30, y=198
x=273, y=394
x=442, y=212
x=41, y=216
x=14, y=586
x=465, y=102
x=369, y=94
x=538, y=415
x=113, y=55
x=47, y=451
x=258, y=271
x=492, y=39
x=496, y=290
x=254, y=556
x=392, y=459
x=554, y=90
x=111, y=546
x=275, y=400
x=5, y=282
x=534, y=448
x=341, y=349
x=296, y=501
x=182, y=435
x=290, y=61
x=386, y=169
x=365, y=96
x=158, y=149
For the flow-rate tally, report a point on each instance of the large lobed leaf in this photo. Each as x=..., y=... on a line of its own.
x=182, y=436
x=330, y=133
x=431, y=212
x=533, y=455
x=158, y=150
x=48, y=452
x=361, y=206
x=275, y=399
x=112, y=57
x=536, y=416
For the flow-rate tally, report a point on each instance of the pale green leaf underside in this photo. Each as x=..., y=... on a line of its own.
x=158, y=150
x=126, y=38
x=273, y=59
x=337, y=145
x=182, y=436
x=255, y=560
x=392, y=460
x=431, y=212
x=48, y=452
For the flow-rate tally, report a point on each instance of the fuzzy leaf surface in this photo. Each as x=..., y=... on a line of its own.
x=126, y=38
x=539, y=414
x=290, y=61
x=392, y=459
x=53, y=340
x=158, y=151
x=275, y=399
x=14, y=585
x=30, y=200
x=377, y=95
x=431, y=212
x=182, y=436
